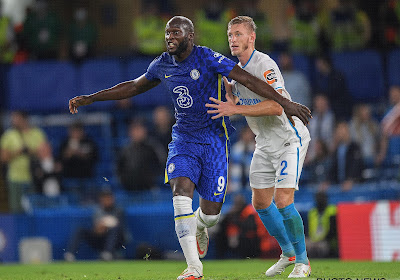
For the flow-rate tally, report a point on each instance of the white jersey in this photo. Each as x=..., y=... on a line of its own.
x=272, y=132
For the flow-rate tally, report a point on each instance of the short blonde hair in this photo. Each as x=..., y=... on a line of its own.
x=248, y=21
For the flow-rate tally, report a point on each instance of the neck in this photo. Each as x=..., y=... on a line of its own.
x=182, y=56
x=245, y=56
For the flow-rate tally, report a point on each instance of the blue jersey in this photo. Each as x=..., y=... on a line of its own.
x=191, y=82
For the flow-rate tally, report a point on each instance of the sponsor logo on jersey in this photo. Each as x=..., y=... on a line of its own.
x=171, y=167
x=184, y=100
x=167, y=76
x=249, y=101
x=280, y=180
x=195, y=74
x=221, y=57
x=270, y=76
x=216, y=194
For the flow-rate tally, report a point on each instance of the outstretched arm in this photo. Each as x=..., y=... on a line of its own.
x=263, y=89
x=120, y=91
x=230, y=107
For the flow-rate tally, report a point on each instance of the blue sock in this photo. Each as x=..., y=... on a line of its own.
x=273, y=222
x=295, y=231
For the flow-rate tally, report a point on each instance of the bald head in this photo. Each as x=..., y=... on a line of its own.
x=181, y=22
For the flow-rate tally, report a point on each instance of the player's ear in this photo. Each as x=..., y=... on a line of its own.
x=253, y=37
x=191, y=35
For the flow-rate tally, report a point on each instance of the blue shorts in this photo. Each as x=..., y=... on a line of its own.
x=206, y=165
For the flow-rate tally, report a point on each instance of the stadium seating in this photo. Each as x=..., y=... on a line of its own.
x=43, y=86
x=393, y=67
x=364, y=73
x=95, y=75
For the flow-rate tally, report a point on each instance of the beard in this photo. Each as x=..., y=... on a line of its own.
x=182, y=47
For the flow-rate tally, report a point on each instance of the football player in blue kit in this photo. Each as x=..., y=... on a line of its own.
x=199, y=151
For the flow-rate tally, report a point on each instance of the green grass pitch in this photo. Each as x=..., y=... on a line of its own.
x=213, y=270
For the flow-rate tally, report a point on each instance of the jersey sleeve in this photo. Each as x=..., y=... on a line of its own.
x=271, y=74
x=152, y=71
x=218, y=63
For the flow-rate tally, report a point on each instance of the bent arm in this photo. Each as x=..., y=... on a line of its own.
x=120, y=91
x=256, y=85
x=264, y=108
x=263, y=89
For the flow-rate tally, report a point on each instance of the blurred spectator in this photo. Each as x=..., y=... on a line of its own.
x=322, y=241
x=333, y=83
x=241, y=155
x=345, y=27
x=78, y=153
x=122, y=112
x=388, y=124
x=264, y=33
x=149, y=29
x=82, y=36
x=241, y=233
x=322, y=124
x=162, y=127
x=389, y=24
x=296, y=82
x=7, y=38
x=304, y=28
x=365, y=131
x=47, y=172
x=42, y=32
x=317, y=169
x=211, y=23
x=107, y=233
x=19, y=146
x=347, y=163
x=139, y=164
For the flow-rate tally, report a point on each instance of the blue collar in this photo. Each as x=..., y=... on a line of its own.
x=249, y=58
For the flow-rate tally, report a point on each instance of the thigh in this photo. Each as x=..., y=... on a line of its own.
x=262, y=171
x=214, y=172
x=289, y=165
x=184, y=160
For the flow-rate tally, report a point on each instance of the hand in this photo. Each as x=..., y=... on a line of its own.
x=298, y=110
x=78, y=101
x=227, y=108
x=228, y=85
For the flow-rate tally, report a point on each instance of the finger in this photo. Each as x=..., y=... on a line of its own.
x=215, y=100
x=212, y=105
x=291, y=120
x=212, y=111
x=228, y=97
x=226, y=82
x=217, y=116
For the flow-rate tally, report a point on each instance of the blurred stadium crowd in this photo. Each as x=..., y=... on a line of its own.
x=340, y=58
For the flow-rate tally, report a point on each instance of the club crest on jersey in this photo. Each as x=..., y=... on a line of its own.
x=195, y=74
x=184, y=100
x=171, y=167
x=270, y=76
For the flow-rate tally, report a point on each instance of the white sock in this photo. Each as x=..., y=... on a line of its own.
x=205, y=221
x=185, y=227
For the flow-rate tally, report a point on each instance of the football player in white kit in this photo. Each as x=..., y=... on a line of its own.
x=280, y=148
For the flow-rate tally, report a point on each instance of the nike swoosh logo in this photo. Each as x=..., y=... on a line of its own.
x=198, y=248
x=281, y=179
x=167, y=76
x=215, y=193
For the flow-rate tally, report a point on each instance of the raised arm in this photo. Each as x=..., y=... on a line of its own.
x=120, y=91
x=263, y=89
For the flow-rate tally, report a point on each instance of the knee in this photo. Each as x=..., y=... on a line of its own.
x=261, y=203
x=282, y=202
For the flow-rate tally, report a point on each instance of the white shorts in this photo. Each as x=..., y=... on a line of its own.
x=281, y=170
